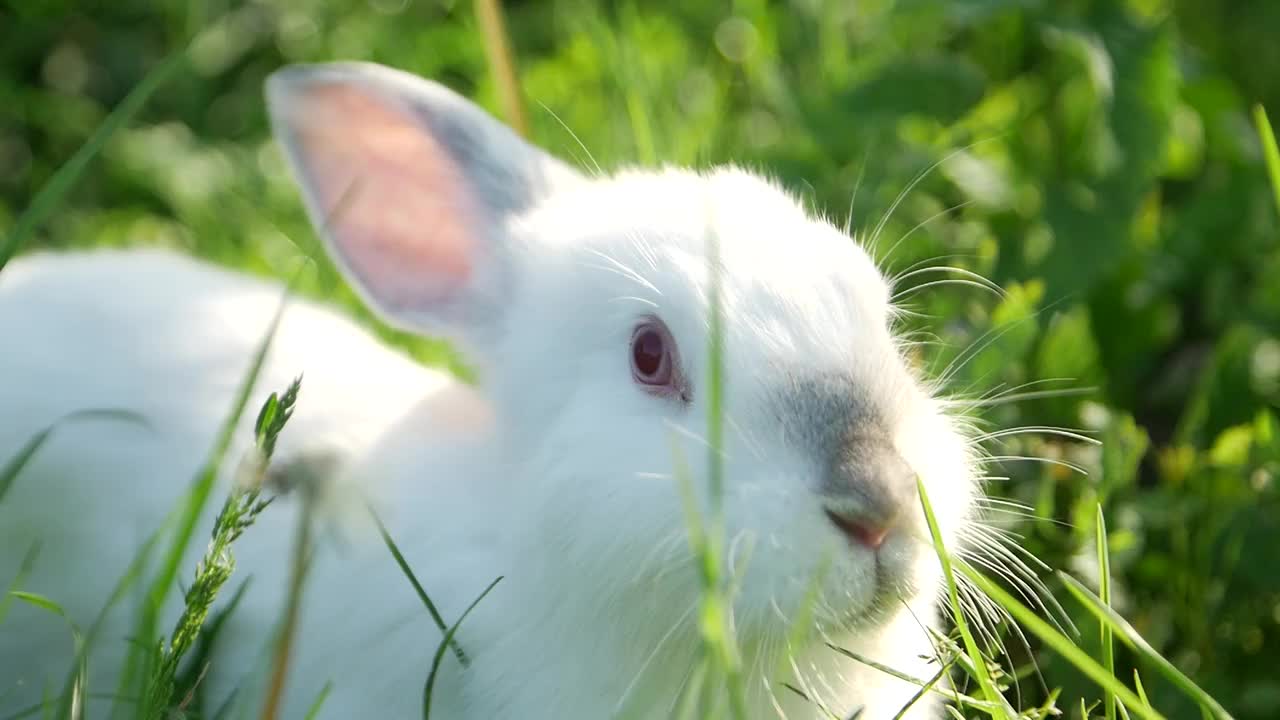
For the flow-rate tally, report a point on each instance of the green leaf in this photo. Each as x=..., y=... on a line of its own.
x=1068, y=349
x=1124, y=443
x=1011, y=336
x=955, y=86
x=1091, y=209
x=1231, y=447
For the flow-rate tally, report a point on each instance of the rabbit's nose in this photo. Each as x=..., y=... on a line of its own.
x=859, y=530
x=868, y=491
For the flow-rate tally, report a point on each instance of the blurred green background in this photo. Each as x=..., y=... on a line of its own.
x=1098, y=160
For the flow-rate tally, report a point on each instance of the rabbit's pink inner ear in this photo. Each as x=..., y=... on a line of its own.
x=388, y=195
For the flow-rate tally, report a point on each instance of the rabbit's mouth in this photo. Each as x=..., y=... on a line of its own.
x=891, y=560
x=891, y=589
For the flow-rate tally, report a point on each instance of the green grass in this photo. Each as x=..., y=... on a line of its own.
x=72, y=701
x=1104, y=592
x=14, y=465
x=1173, y=506
x=1060, y=643
x=978, y=660
x=417, y=586
x=241, y=508
x=1269, y=151
x=160, y=661
x=445, y=642
x=1114, y=623
x=154, y=662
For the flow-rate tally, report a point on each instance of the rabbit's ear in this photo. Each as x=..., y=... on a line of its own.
x=412, y=188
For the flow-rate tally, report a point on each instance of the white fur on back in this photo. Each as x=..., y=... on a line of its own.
x=170, y=338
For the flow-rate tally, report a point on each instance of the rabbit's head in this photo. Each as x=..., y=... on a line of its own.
x=586, y=304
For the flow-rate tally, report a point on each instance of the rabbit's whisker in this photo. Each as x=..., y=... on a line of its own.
x=595, y=165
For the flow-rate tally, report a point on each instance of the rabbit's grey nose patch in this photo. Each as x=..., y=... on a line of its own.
x=864, y=484
x=869, y=483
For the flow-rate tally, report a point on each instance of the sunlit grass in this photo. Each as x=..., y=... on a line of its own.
x=720, y=668
x=239, y=511
x=1270, y=153
x=977, y=659
x=1104, y=590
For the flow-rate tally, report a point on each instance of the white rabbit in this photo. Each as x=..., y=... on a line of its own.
x=584, y=304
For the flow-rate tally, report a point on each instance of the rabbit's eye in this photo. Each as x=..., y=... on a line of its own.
x=653, y=359
x=649, y=356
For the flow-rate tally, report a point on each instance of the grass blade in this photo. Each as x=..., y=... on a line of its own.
x=44, y=203
x=417, y=586
x=717, y=605
x=314, y=711
x=924, y=690
x=203, y=486
x=1142, y=691
x=1270, y=152
x=293, y=603
x=1060, y=643
x=12, y=470
x=985, y=683
x=1104, y=584
x=497, y=45
x=132, y=574
x=956, y=695
x=24, y=569
x=817, y=704
x=39, y=601
x=74, y=702
x=1134, y=640
x=198, y=496
x=444, y=644
x=14, y=466
x=168, y=691
x=687, y=702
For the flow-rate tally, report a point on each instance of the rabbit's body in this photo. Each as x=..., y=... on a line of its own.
x=559, y=472
x=143, y=347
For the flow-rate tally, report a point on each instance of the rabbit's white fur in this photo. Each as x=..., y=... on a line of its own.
x=556, y=473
